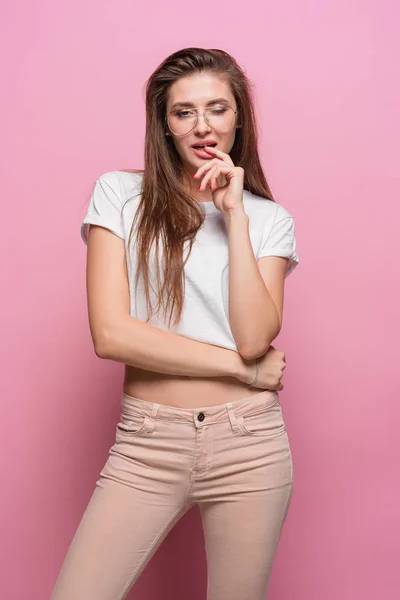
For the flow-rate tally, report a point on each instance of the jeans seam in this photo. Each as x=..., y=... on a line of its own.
x=128, y=585
x=191, y=472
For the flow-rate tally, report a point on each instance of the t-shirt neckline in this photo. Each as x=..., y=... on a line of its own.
x=209, y=207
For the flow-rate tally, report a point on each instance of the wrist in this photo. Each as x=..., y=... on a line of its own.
x=236, y=218
x=243, y=370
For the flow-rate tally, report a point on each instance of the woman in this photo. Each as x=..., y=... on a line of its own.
x=197, y=234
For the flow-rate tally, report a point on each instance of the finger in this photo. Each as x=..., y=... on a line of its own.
x=201, y=170
x=211, y=164
x=226, y=171
x=206, y=179
x=219, y=154
x=214, y=179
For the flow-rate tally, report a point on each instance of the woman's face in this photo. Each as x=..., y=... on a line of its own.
x=200, y=90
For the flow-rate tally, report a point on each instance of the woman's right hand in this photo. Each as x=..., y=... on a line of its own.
x=270, y=370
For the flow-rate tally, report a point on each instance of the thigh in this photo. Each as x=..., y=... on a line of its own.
x=138, y=498
x=242, y=522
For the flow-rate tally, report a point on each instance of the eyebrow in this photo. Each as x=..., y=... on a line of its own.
x=190, y=104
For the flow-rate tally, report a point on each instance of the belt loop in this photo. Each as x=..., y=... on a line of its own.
x=152, y=420
x=232, y=416
x=154, y=410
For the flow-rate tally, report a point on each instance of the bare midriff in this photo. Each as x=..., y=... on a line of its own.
x=184, y=392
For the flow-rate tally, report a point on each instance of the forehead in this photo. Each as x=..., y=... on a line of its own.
x=199, y=89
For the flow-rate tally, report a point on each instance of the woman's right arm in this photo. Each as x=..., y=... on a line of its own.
x=118, y=336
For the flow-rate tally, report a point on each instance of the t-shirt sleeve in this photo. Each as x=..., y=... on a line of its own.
x=280, y=240
x=105, y=207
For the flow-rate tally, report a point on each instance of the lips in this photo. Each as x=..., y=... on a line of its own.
x=204, y=143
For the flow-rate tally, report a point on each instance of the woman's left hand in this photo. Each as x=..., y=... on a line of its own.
x=228, y=197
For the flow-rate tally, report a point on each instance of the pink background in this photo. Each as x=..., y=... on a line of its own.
x=327, y=94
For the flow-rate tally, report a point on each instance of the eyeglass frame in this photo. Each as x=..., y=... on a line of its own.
x=203, y=114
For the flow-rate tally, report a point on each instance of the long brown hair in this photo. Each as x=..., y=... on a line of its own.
x=167, y=212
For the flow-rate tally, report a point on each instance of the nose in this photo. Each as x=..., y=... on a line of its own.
x=202, y=124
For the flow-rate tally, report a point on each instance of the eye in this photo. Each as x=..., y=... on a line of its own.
x=184, y=114
x=217, y=110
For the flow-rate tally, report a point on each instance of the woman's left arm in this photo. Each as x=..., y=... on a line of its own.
x=255, y=286
x=256, y=290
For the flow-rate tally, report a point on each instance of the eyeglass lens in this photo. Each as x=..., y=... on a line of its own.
x=182, y=121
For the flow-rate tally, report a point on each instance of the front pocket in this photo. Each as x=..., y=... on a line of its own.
x=133, y=426
x=267, y=423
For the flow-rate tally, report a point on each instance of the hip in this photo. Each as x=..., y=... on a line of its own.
x=235, y=449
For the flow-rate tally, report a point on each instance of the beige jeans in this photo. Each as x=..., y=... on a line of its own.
x=233, y=460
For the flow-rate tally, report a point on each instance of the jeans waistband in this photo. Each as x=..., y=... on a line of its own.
x=219, y=412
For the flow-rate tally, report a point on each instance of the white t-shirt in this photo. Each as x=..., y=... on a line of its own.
x=205, y=315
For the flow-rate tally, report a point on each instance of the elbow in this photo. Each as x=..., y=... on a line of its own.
x=109, y=339
x=257, y=348
x=102, y=345
x=253, y=349
x=100, y=351
x=251, y=352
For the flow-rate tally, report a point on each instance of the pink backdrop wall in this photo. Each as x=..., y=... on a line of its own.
x=328, y=92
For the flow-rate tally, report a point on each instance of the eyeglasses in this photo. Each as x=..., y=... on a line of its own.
x=183, y=121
